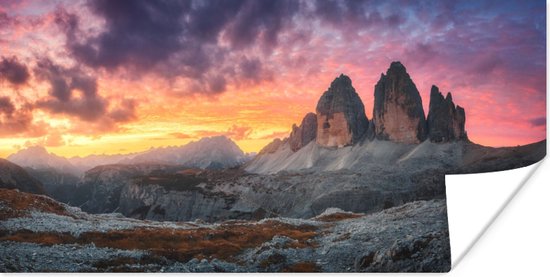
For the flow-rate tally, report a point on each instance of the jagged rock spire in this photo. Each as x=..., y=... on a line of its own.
x=398, y=114
x=445, y=120
x=341, y=118
x=303, y=134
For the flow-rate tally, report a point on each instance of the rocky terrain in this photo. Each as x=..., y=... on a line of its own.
x=13, y=176
x=38, y=234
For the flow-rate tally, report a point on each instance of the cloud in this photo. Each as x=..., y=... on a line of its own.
x=235, y=132
x=181, y=135
x=125, y=112
x=539, y=121
x=54, y=139
x=74, y=92
x=177, y=38
x=137, y=33
x=65, y=83
x=275, y=135
x=253, y=70
x=16, y=121
x=260, y=22
x=239, y=132
x=6, y=106
x=13, y=71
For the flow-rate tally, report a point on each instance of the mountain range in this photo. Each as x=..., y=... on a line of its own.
x=210, y=152
x=398, y=125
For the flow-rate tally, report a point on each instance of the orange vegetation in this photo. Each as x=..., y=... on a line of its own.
x=223, y=242
x=18, y=204
x=302, y=267
x=338, y=217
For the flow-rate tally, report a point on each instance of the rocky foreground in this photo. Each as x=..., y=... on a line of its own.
x=39, y=234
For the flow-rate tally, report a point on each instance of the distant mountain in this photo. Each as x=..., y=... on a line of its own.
x=211, y=152
x=13, y=176
x=88, y=162
x=37, y=157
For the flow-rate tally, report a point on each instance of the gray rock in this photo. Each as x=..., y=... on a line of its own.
x=99, y=190
x=445, y=120
x=303, y=134
x=272, y=147
x=341, y=118
x=398, y=114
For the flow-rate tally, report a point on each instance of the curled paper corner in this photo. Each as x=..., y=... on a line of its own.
x=474, y=202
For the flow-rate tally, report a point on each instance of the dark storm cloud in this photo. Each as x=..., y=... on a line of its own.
x=140, y=33
x=175, y=38
x=75, y=93
x=260, y=19
x=13, y=71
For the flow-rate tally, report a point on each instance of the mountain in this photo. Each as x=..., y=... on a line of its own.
x=303, y=134
x=445, y=120
x=210, y=152
x=341, y=118
x=398, y=114
x=57, y=185
x=13, y=176
x=399, y=135
x=37, y=157
x=88, y=162
x=99, y=190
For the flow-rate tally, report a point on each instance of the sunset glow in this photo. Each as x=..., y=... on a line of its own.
x=106, y=77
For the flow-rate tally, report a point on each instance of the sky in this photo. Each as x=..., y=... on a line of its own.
x=106, y=77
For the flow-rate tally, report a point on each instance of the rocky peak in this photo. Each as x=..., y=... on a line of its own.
x=398, y=114
x=445, y=120
x=303, y=134
x=341, y=118
x=272, y=147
